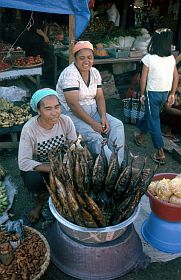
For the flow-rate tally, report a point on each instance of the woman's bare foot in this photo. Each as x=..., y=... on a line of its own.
x=139, y=139
x=34, y=214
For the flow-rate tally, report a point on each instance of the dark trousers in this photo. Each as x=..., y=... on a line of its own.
x=34, y=181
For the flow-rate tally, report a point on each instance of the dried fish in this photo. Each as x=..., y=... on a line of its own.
x=94, y=209
x=88, y=219
x=88, y=157
x=78, y=176
x=93, y=194
x=113, y=170
x=87, y=180
x=127, y=208
x=124, y=180
x=63, y=199
x=100, y=171
x=73, y=205
x=54, y=198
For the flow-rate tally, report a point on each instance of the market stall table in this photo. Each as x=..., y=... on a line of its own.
x=13, y=132
x=117, y=63
x=32, y=73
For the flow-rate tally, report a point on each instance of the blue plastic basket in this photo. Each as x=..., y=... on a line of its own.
x=133, y=110
x=162, y=235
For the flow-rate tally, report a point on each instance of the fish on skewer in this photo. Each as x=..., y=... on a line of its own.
x=132, y=181
x=88, y=157
x=113, y=170
x=88, y=219
x=73, y=204
x=78, y=176
x=124, y=179
x=69, y=162
x=62, y=194
x=87, y=180
x=128, y=206
x=86, y=215
x=54, y=198
x=99, y=171
x=94, y=210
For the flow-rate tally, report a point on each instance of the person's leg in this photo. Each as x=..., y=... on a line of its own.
x=155, y=101
x=35, y=183
x=92, y=138
x=143, y=128
x=116, y=134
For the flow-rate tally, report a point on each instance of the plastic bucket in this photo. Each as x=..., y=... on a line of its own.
x=163, y=235
x=164, y=210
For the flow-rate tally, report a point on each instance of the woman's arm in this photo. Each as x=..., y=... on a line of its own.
x=43, y=34
x=171, y=97
x=143, y=81
x=101, y=106
x=25, y=153
x=172, y=111
x=45, y=167
x=72, y=99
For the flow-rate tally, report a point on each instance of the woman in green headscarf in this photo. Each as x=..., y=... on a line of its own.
x=46, y=131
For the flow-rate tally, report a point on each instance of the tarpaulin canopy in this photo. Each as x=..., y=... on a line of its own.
x=78, y=8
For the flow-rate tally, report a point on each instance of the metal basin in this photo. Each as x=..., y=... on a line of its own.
x=92, y=235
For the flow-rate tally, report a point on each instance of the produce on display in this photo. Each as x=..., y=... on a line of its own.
x=92, y=193
x=4, y=202
x=4, y=65
x=11, y=114
x=4, y=46
x=8, y=53
x=168, y=190
x=100, y=51
x=28, y=61
x=2, y=173
x=29, y=260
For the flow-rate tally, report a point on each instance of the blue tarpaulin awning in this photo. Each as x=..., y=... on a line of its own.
x=78, y=8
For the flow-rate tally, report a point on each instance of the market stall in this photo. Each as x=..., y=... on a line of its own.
x=13, y=66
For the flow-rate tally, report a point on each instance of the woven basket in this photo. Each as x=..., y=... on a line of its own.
x=45, y=265
x=41, y=264
x=133, y=110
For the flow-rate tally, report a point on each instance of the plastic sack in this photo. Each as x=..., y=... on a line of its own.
x=12, y=93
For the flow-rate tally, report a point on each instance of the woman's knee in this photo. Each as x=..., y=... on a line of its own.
x=34, y=181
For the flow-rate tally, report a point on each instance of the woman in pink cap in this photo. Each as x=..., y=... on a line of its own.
x=80, y=91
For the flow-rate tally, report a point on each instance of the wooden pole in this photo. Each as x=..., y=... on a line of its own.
x=71, y=36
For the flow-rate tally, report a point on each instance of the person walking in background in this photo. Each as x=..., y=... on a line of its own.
x=113, y=15
x=158, y=83
x=80, y=91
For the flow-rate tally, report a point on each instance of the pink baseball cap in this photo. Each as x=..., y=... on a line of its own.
x=82, y=45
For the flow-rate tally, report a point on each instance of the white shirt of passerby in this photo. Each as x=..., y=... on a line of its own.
x=160, y=73
x=114, y=15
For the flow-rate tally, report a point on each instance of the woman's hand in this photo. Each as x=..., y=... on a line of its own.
x=105, y=125
x=142, y=99
x=171, y=99
x=98, y=127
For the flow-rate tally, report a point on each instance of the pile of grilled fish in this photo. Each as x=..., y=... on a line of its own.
x=91, y=192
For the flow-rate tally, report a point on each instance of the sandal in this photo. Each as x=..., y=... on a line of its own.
x=157, y=159
x=137, y=139
x=171, y=137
